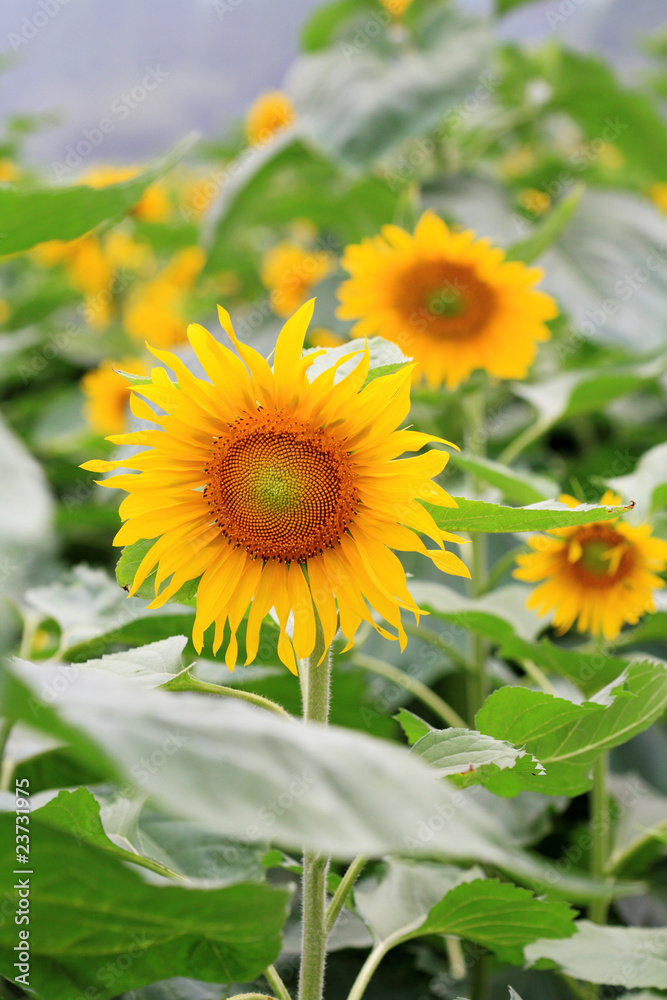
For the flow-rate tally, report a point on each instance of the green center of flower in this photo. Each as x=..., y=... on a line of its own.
x=445, y=302
x=275, y=489
x=596, y=557
x=280, y=487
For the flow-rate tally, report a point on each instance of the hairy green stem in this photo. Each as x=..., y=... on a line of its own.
x=479, y=979
x=411, y=684
x=276, y=983
x=376, y=956
x=190, y=683
x=475, y=436
x=343, y=890
x=315, y=689
x=600, y=819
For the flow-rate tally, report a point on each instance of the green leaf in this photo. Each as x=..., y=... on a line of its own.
x=478, y=515
x=32, y=216
x=471, y=758
x=523, y=487
x=326, y=21
x=549, y=230
x=652, y=628
x=87, y=908
x=401, y=893
x=287, y=180
x=647, y=485
x=497, y=616
x=567, y=738
x=639, y=832
x=338, y=791
x=385, y=358
x=499, y=915
x=589, y=671
x=149, y=628
x=608, y=268
x=571, y=394
x=413, y=727
x=359, y=104
x=151, y=665
x=77, y=813
x=127, y=567
x=503, y=6
x=409, y=900
x=629, y=956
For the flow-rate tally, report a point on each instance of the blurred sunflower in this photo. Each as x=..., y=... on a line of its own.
x=289, y=271
x=601, y=576
x=155, y=309
x=270, y=113
x=449, y=300
x=107, y=394
x=396, y=8
x=280, y=492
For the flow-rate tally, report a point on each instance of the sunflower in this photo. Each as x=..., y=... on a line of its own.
x=155, y=309
x=270, y=113
x=602, y=575
x=396, y=8
x=449, y=300
x=275, y=491
x=289, y=271
x=107, y=394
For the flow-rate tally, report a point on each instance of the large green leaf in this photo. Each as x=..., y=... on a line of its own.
x=567, y=738
x=619, y=956
x=470, y=758
x=336, y=790
x=31, y=216
x=359, y=104
x=329, y=19
x=639, y=833
x=95, y=923
x=478, y=515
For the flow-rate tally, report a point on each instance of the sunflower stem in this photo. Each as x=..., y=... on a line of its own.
x=600, y=819
x=190, y=683
x=276, y=983
x=474, y=408
x=344, y=890
x=315, y=688
x=416, y=688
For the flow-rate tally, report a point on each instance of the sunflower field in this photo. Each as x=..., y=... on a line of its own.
x=333, y=534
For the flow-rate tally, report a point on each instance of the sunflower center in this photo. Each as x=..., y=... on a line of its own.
x=445, y=299
x=604, y=556
x=281, y=488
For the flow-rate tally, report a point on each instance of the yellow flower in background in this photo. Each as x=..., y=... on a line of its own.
x=448, y=300
x=319, y=336
x=289, y=271
x=5, y=311
x=8, y=171
x=155, y=309
x=534, y=201
x=601, y=576
x=279, y=492
x=658, y=195
x=396, y=8
x=517, y=162
x=270, y=113
x=154, y=204
x=107, y=394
